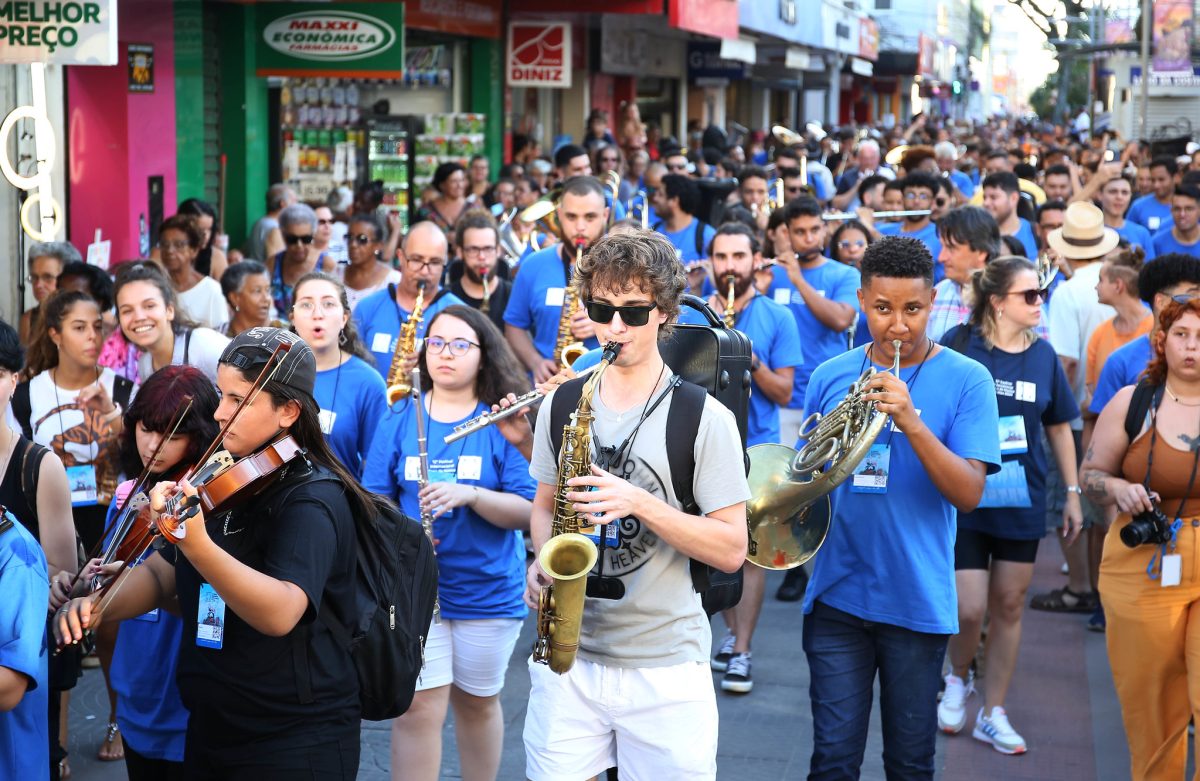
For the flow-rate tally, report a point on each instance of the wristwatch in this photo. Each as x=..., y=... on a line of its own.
x=1074, y=489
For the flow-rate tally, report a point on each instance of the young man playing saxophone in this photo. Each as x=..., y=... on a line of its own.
x=639, y=694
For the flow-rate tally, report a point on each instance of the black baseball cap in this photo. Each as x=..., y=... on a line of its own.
x=251, y=349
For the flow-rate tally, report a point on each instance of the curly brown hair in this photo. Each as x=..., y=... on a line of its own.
x=632, y=260
x=1156, y=370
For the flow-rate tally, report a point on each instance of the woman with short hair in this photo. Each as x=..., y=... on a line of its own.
x=246, y=286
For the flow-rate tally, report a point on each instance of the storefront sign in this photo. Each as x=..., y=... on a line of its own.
x=55, y=31
x=1190, y=80
x=640, y=46
x=706, y=64
x=717, y=18
x=868, y=38
x=478, y=18
x=1172, y=37
x=140, y=57
x=787, y=20
x=347, y=39
x=539, y=54
x=926, y=51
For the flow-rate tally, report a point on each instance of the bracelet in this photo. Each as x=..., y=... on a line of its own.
x=1074, y=489
x=116, y=413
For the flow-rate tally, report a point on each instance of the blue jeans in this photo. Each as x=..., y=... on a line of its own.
x=844, y=653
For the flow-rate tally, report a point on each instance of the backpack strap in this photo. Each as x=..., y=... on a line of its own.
x=23, y=409
x=563, y=402
x=1145, y=396
x=687, y=406
x=31, y=464
x=700, y=226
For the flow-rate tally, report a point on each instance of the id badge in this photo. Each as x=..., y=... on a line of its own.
x=210, y=619
x=1172, y=570
x=327, y=418
x=82, y=480
x=1006, y=488
x=871, y=474
x=555, y=296
x=610, y=532
x=1013, y=440
x=470, y=467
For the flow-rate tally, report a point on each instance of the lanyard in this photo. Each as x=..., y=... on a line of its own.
x=870, y=352
x=1177, y=524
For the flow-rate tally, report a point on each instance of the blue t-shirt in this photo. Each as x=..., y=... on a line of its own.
x=1165, y=241
x=1137, y=235
x=833, y=280
x=862, y=332
x=1032, y=385
x=150, y=713
x=685, y=240
x=24, y=594
x=378, y=319
x=481, y=567
x=776, y=341
x=1025, y=235
x=963, y=183
x=889, y=557
x=536, y=301
x=1123, y=367
x=352, y=399
x=928, y=235
x=1152, y=215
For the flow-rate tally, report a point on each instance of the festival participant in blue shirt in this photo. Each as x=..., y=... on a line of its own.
x=1001, y=192
x=997, y=543
x=676, y=203
x=882, y=596
x=479, y=494
x=919, y=191
x=1183, y=235
x=350, y=394
x=946, y=154
x=1114, y=201
x=571, y=160
x=150, y=713
x=24, y=582
x=1153, y=210
x=535, y=304
x=379, y=316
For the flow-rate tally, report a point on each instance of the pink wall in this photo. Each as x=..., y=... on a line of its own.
x=116, y=139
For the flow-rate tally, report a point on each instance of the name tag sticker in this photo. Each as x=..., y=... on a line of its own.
x=82, y=480
x=783, y=296
x=412, y=468
x=470, y=467
x=871, y=474
x=210, y=619
x=1172, y=570
x=1152, y=223
x=555, y=296
x=1026, y=391
x=381, y=343
x=327, y=418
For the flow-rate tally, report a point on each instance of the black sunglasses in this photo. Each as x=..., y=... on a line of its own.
x=630, y=315
x=1032, y=296
x=290, y=239
x=364, y=238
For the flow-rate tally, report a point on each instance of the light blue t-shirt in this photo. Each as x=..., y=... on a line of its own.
x=928, y=236
x=776, y=341
x=536, y=301
x=1150, y=213
x=685, y=240
x=889, y=557
x=963, y=183
x=150, y=713
x=1025, y=235
x=1165, y=242
x=1123, y=367
x=24, y=594
x=378, y=318
x=481, y=567
x=352, y=399
x=833, y=280
x=1138, y=236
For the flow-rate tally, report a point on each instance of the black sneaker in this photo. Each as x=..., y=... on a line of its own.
x=721, y=658
x=737, y=675
x=795, y=582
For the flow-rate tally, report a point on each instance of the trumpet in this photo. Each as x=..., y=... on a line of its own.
x=480, y=422
x=883, y=215
x=730, y=312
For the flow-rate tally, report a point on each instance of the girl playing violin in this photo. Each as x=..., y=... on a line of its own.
x=250, y=582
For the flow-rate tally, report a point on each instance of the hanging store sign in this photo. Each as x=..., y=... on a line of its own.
x=539, y=54
x=63, y=33
x=868, y=38
x=716, y=18
x=360, y=40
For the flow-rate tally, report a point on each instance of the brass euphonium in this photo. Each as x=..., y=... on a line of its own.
x=399, y=382
x=612, y=180
x=512, y=246
x=566, y=349
x=730, y=312
x=568, y=556
x=789, y=506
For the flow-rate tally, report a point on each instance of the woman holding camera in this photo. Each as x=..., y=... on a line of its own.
x=1143, y=459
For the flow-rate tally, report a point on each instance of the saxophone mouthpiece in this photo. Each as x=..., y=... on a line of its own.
x=421, y=284
x=611, y=350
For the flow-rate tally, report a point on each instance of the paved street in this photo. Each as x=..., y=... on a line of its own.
x=1062, y=701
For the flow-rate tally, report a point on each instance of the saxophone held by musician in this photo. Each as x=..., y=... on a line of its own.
x=566, y=348
x=398, y=381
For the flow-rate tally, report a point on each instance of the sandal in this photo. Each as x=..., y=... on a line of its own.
x=1064, y=600
x=113, y=743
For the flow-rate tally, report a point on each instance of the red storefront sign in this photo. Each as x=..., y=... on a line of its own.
x=652, y=7
x=868, y=39
x=538, y=54
x=477, y=18
x=717, y=18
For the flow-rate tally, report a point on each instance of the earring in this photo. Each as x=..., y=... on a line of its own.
x=1000, y=314
x=342, y=337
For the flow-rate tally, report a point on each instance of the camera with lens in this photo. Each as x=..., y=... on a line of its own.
x=1147, y=528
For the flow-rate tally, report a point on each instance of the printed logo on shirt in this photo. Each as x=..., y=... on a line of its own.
x=637, y=543
x=441, y=470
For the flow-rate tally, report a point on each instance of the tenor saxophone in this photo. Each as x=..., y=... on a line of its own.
x=730, y=313
x=398, y=381
x=426, y=511
x=566, y=349
x=568, y=555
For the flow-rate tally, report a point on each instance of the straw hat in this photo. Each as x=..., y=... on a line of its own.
x=1083, y=235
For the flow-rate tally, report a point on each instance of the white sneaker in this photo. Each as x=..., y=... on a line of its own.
x=952, y=710
x=1065, y=569
x=996, y=730
x=720, y=660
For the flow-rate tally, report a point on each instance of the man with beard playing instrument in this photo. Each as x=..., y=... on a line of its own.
x=639, y=691
x=474, y=278
x=772, y=330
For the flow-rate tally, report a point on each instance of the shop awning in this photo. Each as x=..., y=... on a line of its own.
x=739, y=49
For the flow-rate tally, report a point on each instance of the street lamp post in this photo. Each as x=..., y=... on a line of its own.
x=1145, y=97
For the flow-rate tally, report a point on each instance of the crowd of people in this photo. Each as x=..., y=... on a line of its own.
x=1029, y=301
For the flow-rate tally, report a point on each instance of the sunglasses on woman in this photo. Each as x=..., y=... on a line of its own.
x=1032, y=295
x=630, y=315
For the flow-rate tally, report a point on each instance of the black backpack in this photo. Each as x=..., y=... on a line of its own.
x=394, y=594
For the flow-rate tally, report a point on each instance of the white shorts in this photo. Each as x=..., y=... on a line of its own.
x=471, y=654
x=654, y=723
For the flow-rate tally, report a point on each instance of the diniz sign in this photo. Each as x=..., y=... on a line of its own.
x=329, y=35
x=539, y=54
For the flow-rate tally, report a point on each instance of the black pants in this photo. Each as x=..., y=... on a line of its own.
x=142, y=768
x=282, y=759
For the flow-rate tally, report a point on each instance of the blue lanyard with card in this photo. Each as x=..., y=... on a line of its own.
x=1170, y=565
x=871, y=474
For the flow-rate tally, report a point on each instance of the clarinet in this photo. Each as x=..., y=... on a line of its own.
x=423, y=473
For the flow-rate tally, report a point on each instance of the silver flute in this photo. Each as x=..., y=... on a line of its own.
x=841, y=216
x=488, y=418
x=423, y=472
